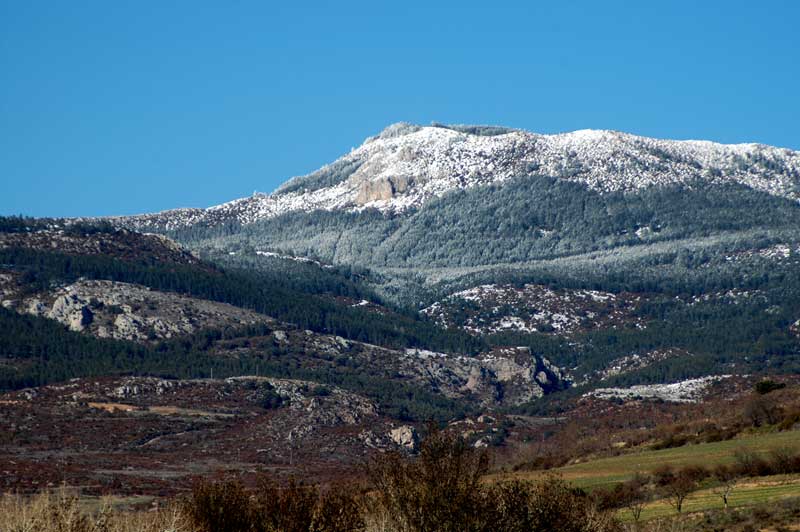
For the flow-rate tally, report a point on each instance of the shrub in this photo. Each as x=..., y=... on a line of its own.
x=632, y=495
x=789, y=421
x=220, y=507
x=768, y=385
x=440, y=490
x=297, y=507
x=750, y=464
x=761, y=410
x=783, y=461
x=338, y=510
x=321, y=391
x=554, y=505
x=60, y=512
x=269, y=398
x=285, y=509
x=671, y=441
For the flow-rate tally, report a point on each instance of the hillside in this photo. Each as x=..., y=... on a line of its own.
x=523, y=291
x=406, y=166
x=592, y=248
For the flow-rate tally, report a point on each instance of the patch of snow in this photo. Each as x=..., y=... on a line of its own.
x=688, y=391
x=424, y=353
x=431, y=161
x=531, y=308
x=305, y=260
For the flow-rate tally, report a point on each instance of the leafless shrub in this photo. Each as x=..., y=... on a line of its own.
x=441, y=491
x=220, y=507
x=761, y=410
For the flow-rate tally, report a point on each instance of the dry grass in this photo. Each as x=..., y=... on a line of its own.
x=113, y=407
x=59, y=511
x=160, y=410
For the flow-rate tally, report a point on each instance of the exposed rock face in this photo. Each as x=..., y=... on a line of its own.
x=36, y=307
x=7, y=286
x=132, y=312
x=71, y=310
x=381, y=189
x=503, y=377
x=509, y=376
x=405, y=437
x=125, y=326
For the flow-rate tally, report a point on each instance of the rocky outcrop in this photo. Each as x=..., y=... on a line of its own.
x=8, y=288
x=71, y=310
x=504, y=377
x=492, y=308
x=382, y=189
x=405, y=437
x=500, y=378
x=688, y=391
x=131, y=312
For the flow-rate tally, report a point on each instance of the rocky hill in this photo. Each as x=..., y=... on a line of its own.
x=114, y=300
x=488, y=309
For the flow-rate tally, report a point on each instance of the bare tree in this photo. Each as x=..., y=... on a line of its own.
x=677, y=485
x=634, y=495
x=726, y=478
x=761, y=410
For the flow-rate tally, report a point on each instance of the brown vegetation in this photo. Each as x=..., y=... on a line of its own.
x=61, y=512
x=438, y=491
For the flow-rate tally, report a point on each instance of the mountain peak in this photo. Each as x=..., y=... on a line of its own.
x=406, y=164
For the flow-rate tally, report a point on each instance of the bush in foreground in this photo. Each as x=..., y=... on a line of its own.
x=441, y=491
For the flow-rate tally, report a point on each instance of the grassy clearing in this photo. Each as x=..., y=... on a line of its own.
x=608, y=471
x=160, y=410
x=750, y=492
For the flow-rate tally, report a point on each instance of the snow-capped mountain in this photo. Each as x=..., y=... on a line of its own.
x=406, y=165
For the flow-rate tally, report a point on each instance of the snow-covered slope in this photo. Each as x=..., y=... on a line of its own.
x=688, y=391
x=407, y=165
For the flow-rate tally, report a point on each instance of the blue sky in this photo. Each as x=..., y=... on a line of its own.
x=126, y=107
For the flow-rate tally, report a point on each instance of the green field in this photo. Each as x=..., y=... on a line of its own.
x=609, y=471
x=749, y=492
x=606, y=472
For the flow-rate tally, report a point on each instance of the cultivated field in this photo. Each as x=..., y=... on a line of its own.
x=748, y=492
x=605, y=472
x=609, y=471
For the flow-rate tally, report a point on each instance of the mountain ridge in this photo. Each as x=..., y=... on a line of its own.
x=405, y=166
